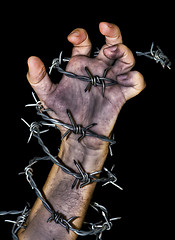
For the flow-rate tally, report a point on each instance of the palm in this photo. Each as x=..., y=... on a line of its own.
x=86, y=107
x=91, y=107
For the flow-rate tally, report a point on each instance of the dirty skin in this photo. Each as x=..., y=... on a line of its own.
x=86, y=107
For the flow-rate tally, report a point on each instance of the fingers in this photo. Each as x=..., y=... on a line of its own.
x=112, y=37
x=111, y=32
x=80, y=39
x=124, y=59
x=131, y=84
x=38, y=78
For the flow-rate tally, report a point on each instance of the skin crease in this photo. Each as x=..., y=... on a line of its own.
x=91, y=107
x=86, y=108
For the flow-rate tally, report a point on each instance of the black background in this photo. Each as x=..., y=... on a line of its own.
x=144, y=153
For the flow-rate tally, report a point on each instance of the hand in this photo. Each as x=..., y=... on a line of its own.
x=89, y=107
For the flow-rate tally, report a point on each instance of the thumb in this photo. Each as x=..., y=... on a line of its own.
x=38, y=78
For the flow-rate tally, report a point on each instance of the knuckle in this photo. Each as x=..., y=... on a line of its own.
x=139, y=79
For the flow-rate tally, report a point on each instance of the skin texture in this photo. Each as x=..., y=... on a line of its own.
x=87, y=108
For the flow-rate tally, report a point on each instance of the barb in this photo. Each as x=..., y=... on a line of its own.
x=58, y=61
x=96, y=228
x=34, y=128
x=58, y=218
x=36, y=104
x=156, y=55
x=95, y=80
x=100, y=227
x=77, y=129
x=66, y=59
x=73, y=127
x=111, y=178
x=92, y=80
x=19, y=223
x=83, y=177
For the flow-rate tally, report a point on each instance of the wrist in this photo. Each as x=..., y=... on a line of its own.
x=91, y=159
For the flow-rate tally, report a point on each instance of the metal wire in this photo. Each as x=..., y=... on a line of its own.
x=92, y=80
x=11, y=212
x=96, y=228
x=156, y=55
x=73, y=127
x=56, y=216
x=19, y=223
x=83, y=177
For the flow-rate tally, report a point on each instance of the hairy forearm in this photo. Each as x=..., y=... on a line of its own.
x=58, y=191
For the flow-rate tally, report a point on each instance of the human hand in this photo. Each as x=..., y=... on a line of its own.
x=89, y=107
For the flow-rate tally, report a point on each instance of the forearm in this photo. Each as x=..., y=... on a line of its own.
x=58, y=191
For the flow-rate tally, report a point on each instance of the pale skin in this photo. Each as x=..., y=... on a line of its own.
x=87, y=108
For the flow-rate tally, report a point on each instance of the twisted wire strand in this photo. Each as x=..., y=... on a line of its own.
x=56, y=64
x=20, y=221
x=36, y=134
x=85, y=178
x=58, y=218
x=11, y=212
x=82, y=177
x=92, y=80
x=75, y=128
x=156, y=55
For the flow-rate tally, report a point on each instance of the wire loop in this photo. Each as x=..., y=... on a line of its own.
x=92, y=80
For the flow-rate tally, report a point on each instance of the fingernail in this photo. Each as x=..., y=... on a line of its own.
x=75, y=33
x=110, y=25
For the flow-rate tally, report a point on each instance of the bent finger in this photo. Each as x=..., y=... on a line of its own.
x=81, y=42
x=112, y=37
x=111, y=32
x=131, y=84
x=123, y=57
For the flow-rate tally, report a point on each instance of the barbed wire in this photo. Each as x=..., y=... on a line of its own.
x=73, y=127
x=10, y=212
x=20, y=221
x=56, y=216
x=96, y=228
x=156, y=55
x=83, y=177
x=91, y=79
